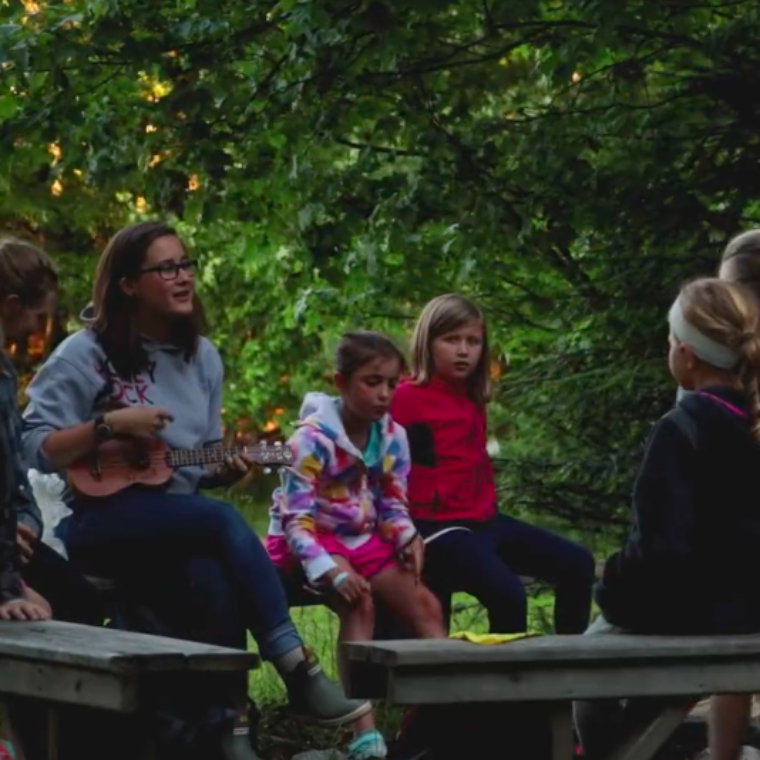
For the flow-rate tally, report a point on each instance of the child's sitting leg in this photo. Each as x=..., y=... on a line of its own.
x=729, y=721
x=411, y=601
x=352, y=603
x=404, y=596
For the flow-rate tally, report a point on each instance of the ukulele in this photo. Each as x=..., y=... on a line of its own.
x=121, y=463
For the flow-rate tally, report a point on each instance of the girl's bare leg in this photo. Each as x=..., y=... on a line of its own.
x=410, y=601
x=729, y=720
x=357, y=623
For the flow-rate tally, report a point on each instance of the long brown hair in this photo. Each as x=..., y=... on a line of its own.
x=25, y=272
x=729, y=314
x=114, y=310
x=440, y=316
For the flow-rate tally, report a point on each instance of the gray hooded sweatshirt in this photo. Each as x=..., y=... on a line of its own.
x=77, y=382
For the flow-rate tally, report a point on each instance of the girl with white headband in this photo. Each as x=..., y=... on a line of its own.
x=691, y=563
x=740, y=262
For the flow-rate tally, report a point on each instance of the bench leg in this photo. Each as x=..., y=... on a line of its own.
x=562, y=731
x=118, y=737
x=53, y=733
x=644, y=743
x=7, y=733
x=31, y=726
x=148, y=752
x=45, y=731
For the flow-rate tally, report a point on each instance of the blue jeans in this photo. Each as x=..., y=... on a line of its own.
x=487, y=559
x=191, y=597
x=139, y=530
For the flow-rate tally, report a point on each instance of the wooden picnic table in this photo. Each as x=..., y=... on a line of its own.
x=101, y=676
x=555, y=671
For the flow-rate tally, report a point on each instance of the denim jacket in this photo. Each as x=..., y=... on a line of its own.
x=17, y=502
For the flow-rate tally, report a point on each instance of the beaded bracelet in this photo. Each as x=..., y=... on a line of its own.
x=339, y=578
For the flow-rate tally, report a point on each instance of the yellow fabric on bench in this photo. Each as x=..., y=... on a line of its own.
x=491, y=638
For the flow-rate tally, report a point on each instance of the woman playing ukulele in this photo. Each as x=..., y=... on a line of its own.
x=144, y=351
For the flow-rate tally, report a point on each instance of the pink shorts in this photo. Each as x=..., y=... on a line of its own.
x=367, y=560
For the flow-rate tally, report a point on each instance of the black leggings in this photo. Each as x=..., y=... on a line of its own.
x=487, y=559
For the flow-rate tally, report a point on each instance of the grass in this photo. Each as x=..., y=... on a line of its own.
x=319, y=626
x=279, y=735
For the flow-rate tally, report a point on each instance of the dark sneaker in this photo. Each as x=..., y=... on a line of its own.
x=227, y=740
x=314, y=698
x=236, y=745
x=413, y=739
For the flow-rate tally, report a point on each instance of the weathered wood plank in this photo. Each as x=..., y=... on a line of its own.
x=119, y=678
x=535, y=681
x=110, y=651
x=556, y=649
x=115, y=692
x=558, y=670
x=56, y=682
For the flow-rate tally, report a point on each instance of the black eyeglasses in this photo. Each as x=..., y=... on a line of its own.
x=170, y=270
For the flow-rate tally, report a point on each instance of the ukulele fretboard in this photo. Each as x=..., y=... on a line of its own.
x=261, y=454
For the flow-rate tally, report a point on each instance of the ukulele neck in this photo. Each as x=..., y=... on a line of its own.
x=211, y=455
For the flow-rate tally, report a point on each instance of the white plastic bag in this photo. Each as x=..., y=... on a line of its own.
x=48, y=493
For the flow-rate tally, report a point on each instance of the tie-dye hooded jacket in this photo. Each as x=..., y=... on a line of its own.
x=331, y=489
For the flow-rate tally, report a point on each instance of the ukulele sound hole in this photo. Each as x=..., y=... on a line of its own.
x=141, y=461
x=138, y=457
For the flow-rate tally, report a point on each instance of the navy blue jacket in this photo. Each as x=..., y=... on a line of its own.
x=691, y=563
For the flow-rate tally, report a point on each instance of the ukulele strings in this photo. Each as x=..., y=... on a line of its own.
x=165, y=458
x=109, y=468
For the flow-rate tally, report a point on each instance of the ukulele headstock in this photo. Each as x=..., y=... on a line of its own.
x=271, y=455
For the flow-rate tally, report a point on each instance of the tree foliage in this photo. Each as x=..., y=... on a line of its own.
x=336, y=163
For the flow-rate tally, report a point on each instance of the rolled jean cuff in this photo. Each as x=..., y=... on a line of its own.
x=279, y=641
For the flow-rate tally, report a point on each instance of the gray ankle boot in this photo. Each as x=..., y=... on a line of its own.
x=314, y=698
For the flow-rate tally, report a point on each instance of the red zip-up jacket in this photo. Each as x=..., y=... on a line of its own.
x=451, y=477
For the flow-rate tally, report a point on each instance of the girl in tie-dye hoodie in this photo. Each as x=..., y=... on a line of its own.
x=340, y=520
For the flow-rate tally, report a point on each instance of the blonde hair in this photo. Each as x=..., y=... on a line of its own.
x=442, y=315
x=729, y=314
x=741, y=258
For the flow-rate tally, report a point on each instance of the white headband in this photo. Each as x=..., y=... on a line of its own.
x=705, y=348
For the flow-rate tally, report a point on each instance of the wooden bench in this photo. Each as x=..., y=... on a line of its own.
x=555, y=671
x=111, y=683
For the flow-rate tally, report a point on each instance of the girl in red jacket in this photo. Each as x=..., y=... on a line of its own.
x=471, y=546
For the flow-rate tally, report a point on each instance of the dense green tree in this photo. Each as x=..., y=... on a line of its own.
x=336, y=163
